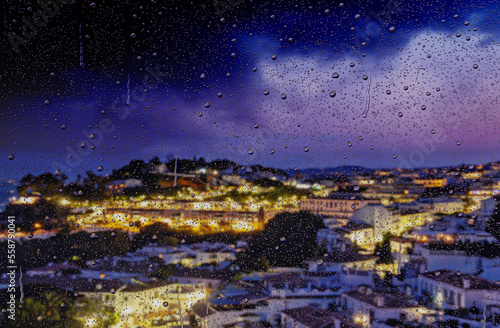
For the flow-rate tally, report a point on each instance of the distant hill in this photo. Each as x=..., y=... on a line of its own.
x=346, y=170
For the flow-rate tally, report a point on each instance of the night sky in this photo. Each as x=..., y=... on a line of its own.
x=295, y=83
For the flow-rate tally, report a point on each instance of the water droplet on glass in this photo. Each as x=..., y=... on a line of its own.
x=423, y=107
x=250, y=151
x=11, y=157
x=274, y=57
x=207, y=104
x=459, y=143
x=335, y=75
x=266, y=92
x=349, y=144
x=306, y=149
x=351, y=64
x=357, y=16
x=388, y=92
x=400, y=114
x=283, y=96
x=365, y=77
x=433, y=131
x=392, y=29
x=459, y=34
x=99, y=168
x=165, y=304
x=272, y=151
x=475, y=66
x=219, y=95
x=333, y=94
x=202, y=76
x=256, y=126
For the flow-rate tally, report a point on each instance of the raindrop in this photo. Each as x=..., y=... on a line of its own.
x=349, y=144
x=30, y=235
x=365, y=77
x=233, y=55
x=459, y=143
x=202, y=76
x=433, y=131
x=357, y=16
x=394, y=156
x=335, y=75
x=351, y=64
x=388, y=92
x=333, y=94
x=274, y=57
x=99, y=168
x=459, y=34
x=256, y=126
x=475, y=66
x=219, y=95
x=306, y=149
x=47, y=102
x=165, y=304
x=207, y=104
x=400, y=114
x=250, y=151
x=93, y=235
x=423, y=107
x=266, y=92
x=283, y=96
x=272, y=151
x=11, y=157
x=83, y=145
x=392, y=29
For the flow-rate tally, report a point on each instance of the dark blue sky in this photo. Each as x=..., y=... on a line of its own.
x=411, y=97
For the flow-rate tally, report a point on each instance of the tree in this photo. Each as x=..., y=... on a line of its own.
x=493, y=224
x=383, y=250
x=51, y=309
x=288, y=239
x=388, y=279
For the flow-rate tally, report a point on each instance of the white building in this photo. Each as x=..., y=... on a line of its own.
x=366, y=307
x=451, y=290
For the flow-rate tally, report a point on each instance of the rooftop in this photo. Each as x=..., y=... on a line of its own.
x=460, y=280
x=380, y=300
x=316, y=318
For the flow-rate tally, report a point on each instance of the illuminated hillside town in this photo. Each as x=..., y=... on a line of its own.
x=203, y=244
